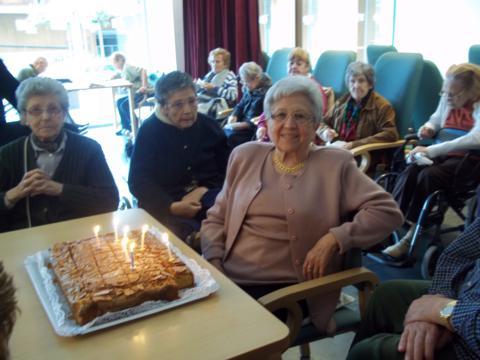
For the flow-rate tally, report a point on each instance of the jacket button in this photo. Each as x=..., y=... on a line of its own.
x=185, y=147
x=291, y=211
x=189, y=168
x=297, y=262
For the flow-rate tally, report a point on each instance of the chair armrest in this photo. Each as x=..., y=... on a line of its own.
x=364, y=151
x=224, y=113
x=288, y=297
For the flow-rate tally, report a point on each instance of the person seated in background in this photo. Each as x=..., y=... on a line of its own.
x=218, y=90
x=298, y=64
x=8, y=311
x=419, y=319
x=138, y=77
x=179, y=158
x=267, y=229
x=52, y=174
x=36, y=68
x=459, y=108
x=362, y=116
x=8, y=85
x=240, y=127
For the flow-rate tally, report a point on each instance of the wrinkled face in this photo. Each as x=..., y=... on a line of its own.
x=291, y=126
x=456, y=93
x=181, y=108
x=217, y=63
x=44, y=116
x=250, y=83
x=297, y=66
x=119, y=64
x=358, y=86
x=40, y=65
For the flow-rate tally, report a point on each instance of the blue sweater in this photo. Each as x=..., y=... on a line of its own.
x=167, y=162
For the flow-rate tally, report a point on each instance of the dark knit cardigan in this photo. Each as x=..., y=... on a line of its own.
x=88, y=185
x=166, y=161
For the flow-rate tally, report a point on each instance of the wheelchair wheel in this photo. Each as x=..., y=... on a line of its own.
x=429, y=261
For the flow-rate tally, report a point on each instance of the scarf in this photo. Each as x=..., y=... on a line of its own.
x=50, y=146
x=351, y=118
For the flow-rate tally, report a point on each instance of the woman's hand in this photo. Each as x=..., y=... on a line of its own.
x=418, y=149
x=185, y=208
x=348, y=146
x=330, y=134
x=208, y=86
x=232, y=119
x=261, y=132
x=34, y=182
x=319, y=257
x=426, y=132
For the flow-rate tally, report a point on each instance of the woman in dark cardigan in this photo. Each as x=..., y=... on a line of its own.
x=52, y=174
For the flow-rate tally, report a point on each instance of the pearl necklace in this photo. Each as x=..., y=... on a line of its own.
x=285, y=168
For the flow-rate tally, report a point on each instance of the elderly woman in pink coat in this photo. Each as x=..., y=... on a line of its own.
x=289, y=210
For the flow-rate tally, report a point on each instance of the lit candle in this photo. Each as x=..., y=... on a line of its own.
x=124, y=242
x=144, y=230
x=115, y=226
x=166, y=242
x=132, y=255
x=96, y=229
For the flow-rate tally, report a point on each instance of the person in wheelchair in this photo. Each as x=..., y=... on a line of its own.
x=239, y=127
x=289, y=210
x=362, y=116
x=458, y=112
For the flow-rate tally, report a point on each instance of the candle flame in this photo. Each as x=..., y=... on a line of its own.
x=96, y=229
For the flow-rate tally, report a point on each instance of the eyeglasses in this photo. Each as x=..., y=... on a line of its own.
x=300, y=118
x=51, y=111
x=450, y=95
x=178, y=105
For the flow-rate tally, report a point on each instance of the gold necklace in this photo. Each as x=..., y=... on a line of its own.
x=285, y=168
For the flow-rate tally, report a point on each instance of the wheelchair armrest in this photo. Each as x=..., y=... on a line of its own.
x=288, y=297
x=224, y=113
x=364, y=151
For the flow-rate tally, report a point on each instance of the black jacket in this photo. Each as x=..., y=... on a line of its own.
x=88, y=188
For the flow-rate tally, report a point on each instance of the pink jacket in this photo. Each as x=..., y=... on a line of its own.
x=331, y=196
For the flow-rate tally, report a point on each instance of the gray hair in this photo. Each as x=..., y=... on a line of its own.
x=170, y=83
x=40, y=86
x=293, y=85
x=357, y=68
x=250, y=70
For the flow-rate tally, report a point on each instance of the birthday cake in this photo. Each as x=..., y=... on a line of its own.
x=99, y=274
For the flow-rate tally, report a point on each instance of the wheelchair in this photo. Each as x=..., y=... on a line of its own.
x=460, y=197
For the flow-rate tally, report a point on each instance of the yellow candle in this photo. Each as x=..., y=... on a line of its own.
x=115, y=226
x=96, y=229
x=144, y=230
x=132, y=255
x=166, y=242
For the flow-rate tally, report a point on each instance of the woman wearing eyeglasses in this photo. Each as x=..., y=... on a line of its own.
x=52, y=174
x=459, y=111
x=289, y=210
x=179, y=158
x=218, y=90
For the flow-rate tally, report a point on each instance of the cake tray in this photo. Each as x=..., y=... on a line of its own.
x=59, y=313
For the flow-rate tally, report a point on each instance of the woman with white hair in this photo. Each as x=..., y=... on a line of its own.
x=289, y=210
x=240, y=127
x=52, y=174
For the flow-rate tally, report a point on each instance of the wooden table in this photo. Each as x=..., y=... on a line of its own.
x=111, y=84
x=227, y=324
